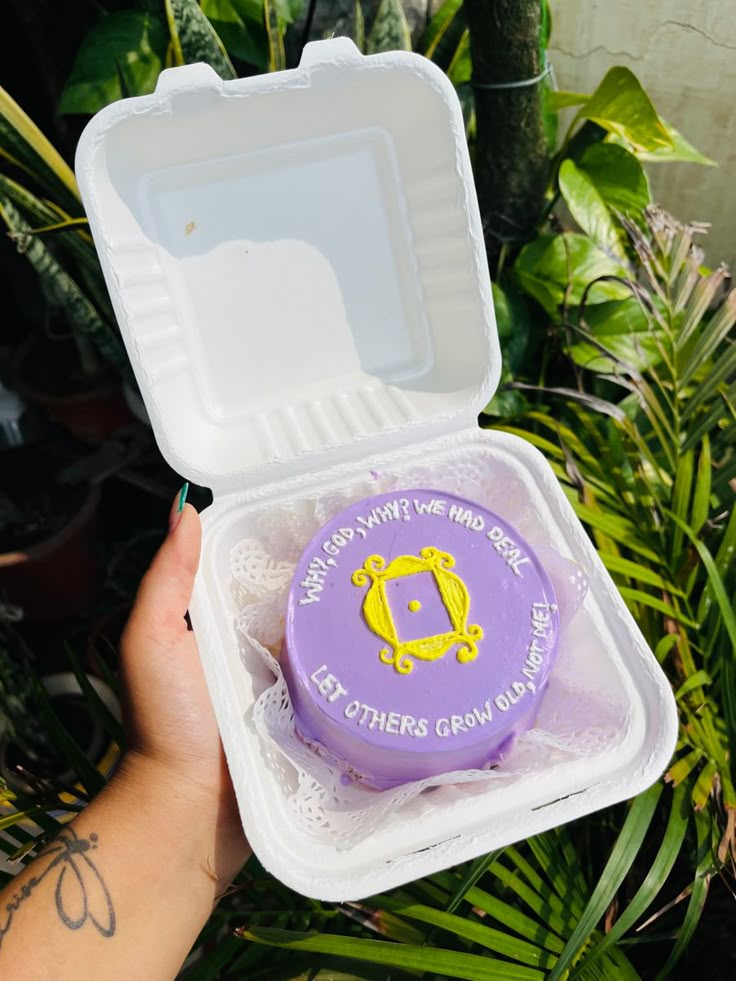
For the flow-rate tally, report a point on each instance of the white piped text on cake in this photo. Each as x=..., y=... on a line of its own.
x=541, y=623
x=401, y=509
x=508, y=550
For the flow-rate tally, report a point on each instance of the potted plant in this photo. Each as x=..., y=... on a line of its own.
x=74, y=368
x=47, y=565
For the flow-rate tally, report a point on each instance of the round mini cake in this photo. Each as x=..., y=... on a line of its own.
x=420, y=632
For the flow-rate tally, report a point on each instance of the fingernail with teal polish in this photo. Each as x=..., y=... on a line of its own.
x=182, y=498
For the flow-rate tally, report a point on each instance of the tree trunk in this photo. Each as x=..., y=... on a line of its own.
x=511, y=152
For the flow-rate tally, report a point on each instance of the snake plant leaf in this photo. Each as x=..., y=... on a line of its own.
x=460, y=69
x=242, y=33
x=194, y=39
x=60, y=285
x=71, y=235
x=390, y=29
x=443, y=33
x=274, y=33
x=23, y=145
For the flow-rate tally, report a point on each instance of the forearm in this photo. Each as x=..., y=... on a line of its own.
x=124, y=890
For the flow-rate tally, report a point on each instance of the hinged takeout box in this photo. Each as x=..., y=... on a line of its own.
x=296, y=263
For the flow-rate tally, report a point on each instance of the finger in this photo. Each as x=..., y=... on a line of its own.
x=166, y=589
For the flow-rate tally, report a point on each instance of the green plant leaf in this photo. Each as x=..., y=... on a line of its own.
x=698, y=680
x=725, y=604
x=518, y=950
x=90, y=777
x=622, y=857
x=520, y=331
x=561, y=877
x=712, y=333
x=634, y=570
x=443, y=32
x=679, y=150
x=697, y=896
x=475, y=873
x=533, y=930
x=654, y=603
x=625, y=329
x=589, y=210
x=723, y=561
x=669, y=849
x=289, y=10
x=128, y=44
x=194, y=39
x=242, y=33
x=681, y=497
x=97, y=707
x=460, y=69
x=621, y=106
x=23, y=144
x=274, y=33
x=390, y=30
x=557, y=267
x=704, y=785
x=618, y=176
x=682, y=768
x=65, y=290
x=701, y=495
x=547, y=907
x=619, y=529
x=73, y=239
x=564, y=100
x=359, y=27
x=449, y=963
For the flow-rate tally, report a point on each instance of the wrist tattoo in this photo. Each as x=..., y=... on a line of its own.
x=81, y=895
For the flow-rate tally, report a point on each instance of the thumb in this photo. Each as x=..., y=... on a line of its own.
x=163, y=597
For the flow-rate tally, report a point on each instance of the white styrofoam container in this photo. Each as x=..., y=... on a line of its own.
x=296, y=263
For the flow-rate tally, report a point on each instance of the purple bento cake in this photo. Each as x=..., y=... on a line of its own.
x=420, y=632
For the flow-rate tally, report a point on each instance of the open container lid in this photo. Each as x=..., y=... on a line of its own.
x=296, y=261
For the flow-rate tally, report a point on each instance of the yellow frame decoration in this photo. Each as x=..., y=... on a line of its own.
x=454, y=595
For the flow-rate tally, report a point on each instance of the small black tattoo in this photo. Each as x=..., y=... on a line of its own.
x=81, y=894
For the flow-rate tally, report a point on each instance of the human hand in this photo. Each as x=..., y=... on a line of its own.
x=171, y=727
x=129, y=884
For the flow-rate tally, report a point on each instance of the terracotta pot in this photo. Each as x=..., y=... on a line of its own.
x=56, y=577
x=90, y=416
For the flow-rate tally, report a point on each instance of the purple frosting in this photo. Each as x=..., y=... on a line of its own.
x=420, y=632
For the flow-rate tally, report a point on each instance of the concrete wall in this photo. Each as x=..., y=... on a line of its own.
x=684, y=54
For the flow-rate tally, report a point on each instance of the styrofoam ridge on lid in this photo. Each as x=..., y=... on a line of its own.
x=296, y=261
